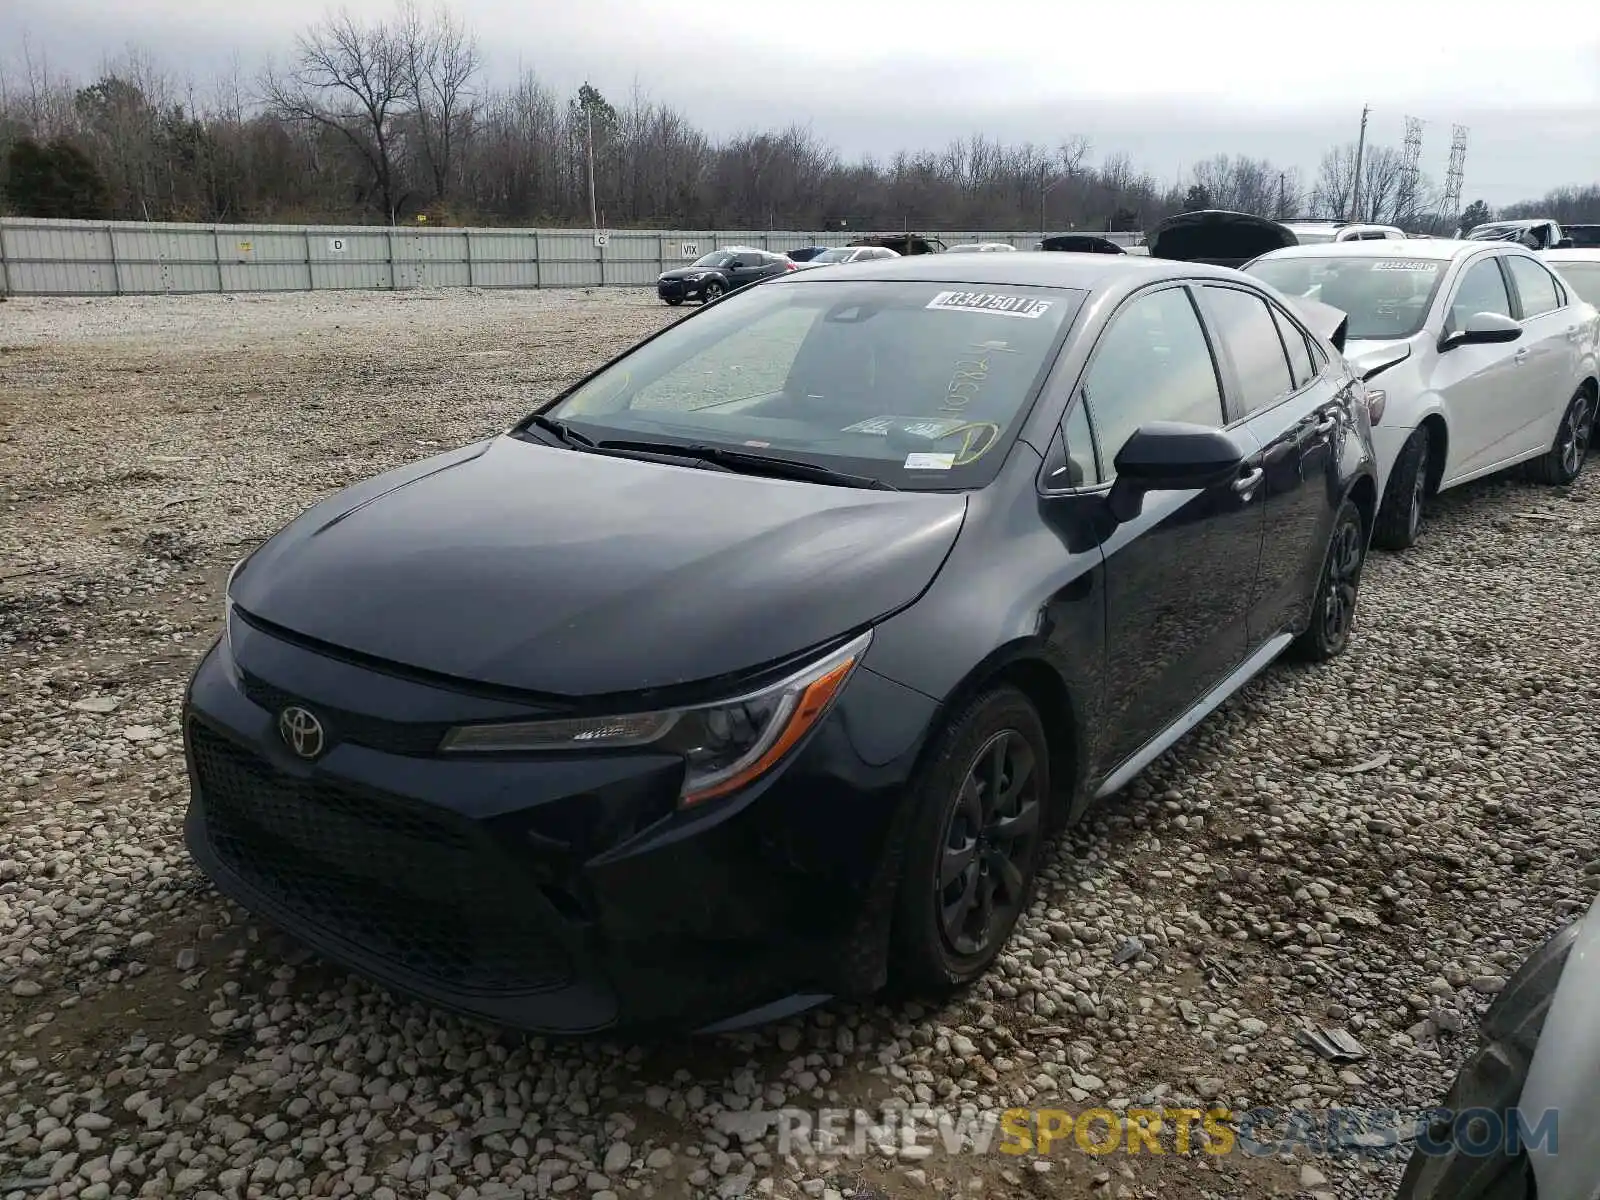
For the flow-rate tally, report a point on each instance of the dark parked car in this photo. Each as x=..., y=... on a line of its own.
x=757, y=666
x=1218, y=236
x=905, y=244
x=719, y=273
x=805, y=253
x=1079, y=243
x=1582, y=237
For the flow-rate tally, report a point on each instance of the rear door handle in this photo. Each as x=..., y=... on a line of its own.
x=1246, y=485
x=1520, y=356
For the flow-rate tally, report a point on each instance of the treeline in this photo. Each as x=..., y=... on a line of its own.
x=392, y=120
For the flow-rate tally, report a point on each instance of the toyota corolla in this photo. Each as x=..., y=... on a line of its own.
x=756, y=667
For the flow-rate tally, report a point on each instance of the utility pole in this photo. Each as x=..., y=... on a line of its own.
x=1283, y=195
x=1355, y=183
x=594, y=211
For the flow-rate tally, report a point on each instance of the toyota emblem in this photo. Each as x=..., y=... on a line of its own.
x=301, y=731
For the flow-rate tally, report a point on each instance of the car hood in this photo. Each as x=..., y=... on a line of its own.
x=685, y=272
x=568, y=574
x=1228, y=239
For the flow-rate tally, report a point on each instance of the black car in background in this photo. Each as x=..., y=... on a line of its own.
x=719, y=273
x=805, y=253
x=904, y=244
x=758, y=666
x=1079, y=243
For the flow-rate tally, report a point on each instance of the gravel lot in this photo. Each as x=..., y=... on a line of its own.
x=1373, y=844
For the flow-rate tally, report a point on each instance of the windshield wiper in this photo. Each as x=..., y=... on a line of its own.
x=747, y=463
x=561, y=430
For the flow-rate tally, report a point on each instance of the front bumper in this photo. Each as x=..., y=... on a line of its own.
x=557, y=895
x=680, y=289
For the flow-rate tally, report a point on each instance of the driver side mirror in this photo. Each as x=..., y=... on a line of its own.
x=1170, y=456
x=1482, y=329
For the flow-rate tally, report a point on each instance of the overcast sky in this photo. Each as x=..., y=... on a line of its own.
x=1166, y=82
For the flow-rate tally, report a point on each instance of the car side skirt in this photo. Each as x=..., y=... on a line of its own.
x=1199, y=711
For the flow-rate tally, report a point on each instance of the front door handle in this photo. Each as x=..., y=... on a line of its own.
x=1521, y=356
x=1327, y=427
x=1246, y=485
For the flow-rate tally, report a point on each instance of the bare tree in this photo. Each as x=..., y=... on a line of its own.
x=440, y=61
x=352, y=78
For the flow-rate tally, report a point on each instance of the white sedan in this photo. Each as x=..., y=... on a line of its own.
x=1479, y=356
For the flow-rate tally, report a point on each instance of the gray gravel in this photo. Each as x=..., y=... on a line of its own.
x=1373, y=844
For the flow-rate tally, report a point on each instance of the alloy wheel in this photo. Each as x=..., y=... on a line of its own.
x=989, y=842
x=1573, y=440
x=713, y=290
x=1343, y=581
x=1419, y=489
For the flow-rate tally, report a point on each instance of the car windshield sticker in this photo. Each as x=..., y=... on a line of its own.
x=1405, y=264
x=930, y=462
x=991, y=302
x=922, y=427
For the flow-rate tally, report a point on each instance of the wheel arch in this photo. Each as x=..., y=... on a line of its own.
x=1439, y=448
x=1364, y=494
x=1026, y=665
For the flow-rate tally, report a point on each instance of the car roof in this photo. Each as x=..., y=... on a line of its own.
x=1436, y=249
x=1025, y=268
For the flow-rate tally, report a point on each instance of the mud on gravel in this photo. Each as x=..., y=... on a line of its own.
x=1374, y=844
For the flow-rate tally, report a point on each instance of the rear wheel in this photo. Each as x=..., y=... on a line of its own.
x=1400, y=514
x=1333, y=611
x=974, y=843
x=1562, y=462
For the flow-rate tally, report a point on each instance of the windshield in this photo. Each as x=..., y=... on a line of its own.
x=920, y=385
x=1385, y=298
x=841, y=254
x=1584, y=278
x=717, y=258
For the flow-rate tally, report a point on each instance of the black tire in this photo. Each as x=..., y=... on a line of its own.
x=1561, y=464
x=1333, y=609
x=1002, y=858
x=676, y=302
x=1493, y=1078
x=712, y=291
x=1405, y=495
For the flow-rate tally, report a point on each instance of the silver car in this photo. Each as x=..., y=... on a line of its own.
x=1536, y=1072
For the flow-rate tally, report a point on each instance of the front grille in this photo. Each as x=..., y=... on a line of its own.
x=408, y=884
x=392, y=737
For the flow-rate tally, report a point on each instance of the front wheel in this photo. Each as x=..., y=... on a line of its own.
x=1562, y=462
x=1333, y=610
x=676, y=301
x=974, y=843
x=1400, y=514
x=712, y=291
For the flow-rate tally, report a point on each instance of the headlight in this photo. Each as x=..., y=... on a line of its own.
x=696, y=277
x=725, y=746
x=227, y=616
x=1376, y=399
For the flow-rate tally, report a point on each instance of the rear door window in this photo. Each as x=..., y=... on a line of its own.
x=1246, y=328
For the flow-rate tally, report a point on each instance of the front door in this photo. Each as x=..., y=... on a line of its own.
x=1179, y=575
x=1481, y=385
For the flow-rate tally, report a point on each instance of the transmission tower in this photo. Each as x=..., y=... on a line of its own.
x=1450, y=203
x=1410, y=169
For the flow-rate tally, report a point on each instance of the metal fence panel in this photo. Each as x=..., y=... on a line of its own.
x=48, y=257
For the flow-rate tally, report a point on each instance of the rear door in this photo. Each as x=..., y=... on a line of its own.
x=1479, y=384
x=1548, y=352
x=1278, y=390
x=1179, y=575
